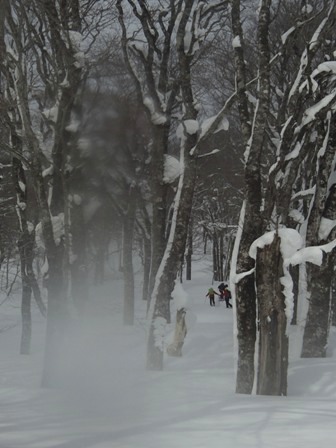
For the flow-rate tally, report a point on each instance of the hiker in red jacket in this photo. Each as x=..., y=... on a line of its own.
x=227, y=296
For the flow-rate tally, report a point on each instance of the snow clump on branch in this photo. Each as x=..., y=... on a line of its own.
x=172, y=169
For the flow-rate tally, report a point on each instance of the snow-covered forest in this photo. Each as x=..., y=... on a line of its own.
x=151, y=150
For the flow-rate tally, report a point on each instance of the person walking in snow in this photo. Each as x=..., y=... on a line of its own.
x=211, y=294
x=227, y=296
x=221, y=288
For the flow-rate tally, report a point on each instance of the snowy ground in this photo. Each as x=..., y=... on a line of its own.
x=114, y=403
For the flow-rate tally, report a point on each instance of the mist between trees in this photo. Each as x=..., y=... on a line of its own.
x=150, y=129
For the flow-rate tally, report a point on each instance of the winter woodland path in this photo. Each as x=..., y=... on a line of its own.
x=114, y=403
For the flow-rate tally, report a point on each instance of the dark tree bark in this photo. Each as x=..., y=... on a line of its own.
x=128, y=231
x=146, y=265
x=172, y=262
x=252, y=224
x=316, y=332
x=189, y=251
x=26, y=316
x=295, y=274
x=315, y=338
x=79, y=265
x=273, y=341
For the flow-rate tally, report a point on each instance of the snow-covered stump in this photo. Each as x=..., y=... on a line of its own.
x=175, y=348
x=273, y=340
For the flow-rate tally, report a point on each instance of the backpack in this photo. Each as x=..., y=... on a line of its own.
x=227, y=293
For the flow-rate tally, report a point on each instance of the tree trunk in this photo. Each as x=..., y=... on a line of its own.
x=189, y=252
x=273, y=341
x=78, y=265
x=161, y=296
x=53, y=374
x=226, y=273
x=221, y=257
x=26, y=244
x=316, y=332
x=159, y=201
x=129, y=221
x=295, y=274
x=333, y=300
x=146, y=267
x=251, y=216
x=26, y=316
x=215, y=256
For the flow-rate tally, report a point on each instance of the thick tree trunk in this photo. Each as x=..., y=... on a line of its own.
x=273, y=340
x=316, y=332
x=246, y=328
x=160, y=302
x=226, y=272
x=159, y=201
x=315, y=338
x=252, y=222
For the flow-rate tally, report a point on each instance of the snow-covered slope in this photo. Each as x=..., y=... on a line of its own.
x=110, y=401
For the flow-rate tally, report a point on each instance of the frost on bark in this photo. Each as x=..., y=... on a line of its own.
x=272, y=321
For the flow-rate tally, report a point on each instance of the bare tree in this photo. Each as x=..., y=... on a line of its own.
x=285, y=125
x=160, y=57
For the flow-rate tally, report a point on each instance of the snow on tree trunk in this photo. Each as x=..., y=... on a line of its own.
x=175, y=348
x=160, y=301
x=272, y=321
x=315, y=338
x=252, y=224
x=321, y=230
